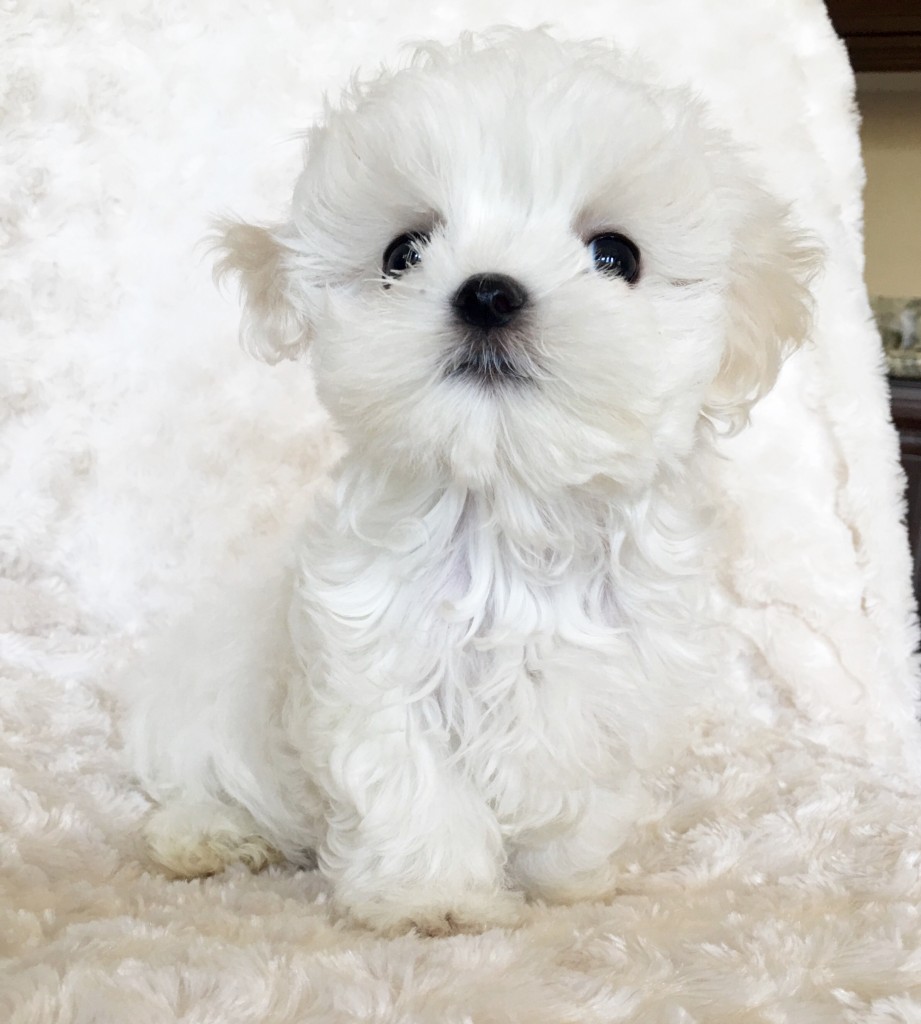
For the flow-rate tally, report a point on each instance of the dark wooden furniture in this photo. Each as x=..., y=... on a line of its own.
x=906, y=412
x=880, y=35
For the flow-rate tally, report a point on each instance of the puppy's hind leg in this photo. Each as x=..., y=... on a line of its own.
x=201, y=727
x=193, y=838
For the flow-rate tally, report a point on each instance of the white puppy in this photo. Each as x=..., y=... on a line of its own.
x=536, y=287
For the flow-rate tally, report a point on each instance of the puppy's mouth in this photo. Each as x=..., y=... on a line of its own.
x=489, y=359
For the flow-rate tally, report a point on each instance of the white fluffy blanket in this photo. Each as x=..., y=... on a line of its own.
x=780, y=878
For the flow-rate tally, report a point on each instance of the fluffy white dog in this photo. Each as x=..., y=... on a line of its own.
x=536, y=287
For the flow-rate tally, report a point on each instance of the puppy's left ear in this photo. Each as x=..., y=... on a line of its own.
x=769, y=307
x=276, y=321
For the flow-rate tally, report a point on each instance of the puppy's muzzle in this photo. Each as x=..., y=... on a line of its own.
x=488, y=301
x=489, y=353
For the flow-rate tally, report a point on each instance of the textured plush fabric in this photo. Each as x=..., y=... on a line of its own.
x=779, y=878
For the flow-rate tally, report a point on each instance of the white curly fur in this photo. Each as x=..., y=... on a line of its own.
x=500, y=612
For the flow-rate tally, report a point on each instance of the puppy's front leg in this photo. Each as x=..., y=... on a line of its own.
x=578, y=864
x=409, y=842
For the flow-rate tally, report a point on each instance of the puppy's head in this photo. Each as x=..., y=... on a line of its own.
x=516, y=258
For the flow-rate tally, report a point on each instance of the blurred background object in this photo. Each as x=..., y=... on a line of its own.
x=883, y=39
x=881, y=35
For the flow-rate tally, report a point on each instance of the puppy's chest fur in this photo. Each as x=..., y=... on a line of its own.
x=516, y=658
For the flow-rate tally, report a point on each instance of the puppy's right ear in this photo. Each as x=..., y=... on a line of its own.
x=276, y=320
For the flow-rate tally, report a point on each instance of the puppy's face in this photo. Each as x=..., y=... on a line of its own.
x=517, y=261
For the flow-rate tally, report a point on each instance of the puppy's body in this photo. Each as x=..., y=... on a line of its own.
x=489, y=677
x=500, y=612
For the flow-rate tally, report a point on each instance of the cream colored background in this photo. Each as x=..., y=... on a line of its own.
x=890, y=105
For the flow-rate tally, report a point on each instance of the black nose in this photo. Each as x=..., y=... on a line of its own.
x=489, y=300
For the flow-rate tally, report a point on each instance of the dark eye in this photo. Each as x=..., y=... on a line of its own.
x=403, y=252
x=616, y=256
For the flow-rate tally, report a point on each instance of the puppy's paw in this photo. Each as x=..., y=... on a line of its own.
x=190, y=840
x=439, y=915
x=599, y=886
